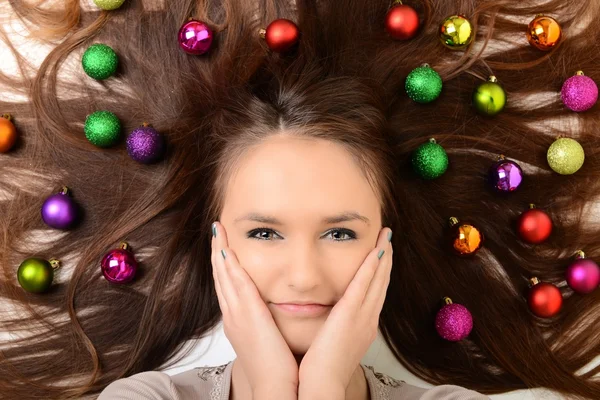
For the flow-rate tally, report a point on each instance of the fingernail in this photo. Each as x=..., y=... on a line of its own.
x=389, y=236
x=380, y=254
x=214, y=229
x=223, y=253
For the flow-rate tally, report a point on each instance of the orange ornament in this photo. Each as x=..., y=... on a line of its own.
x=466, y=238
x=544, y=32
x=8, y=133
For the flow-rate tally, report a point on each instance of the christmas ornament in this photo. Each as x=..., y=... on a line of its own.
x=102, y=128
x=466, y=239
x=583, y=274
x=99, y=61
x=544, y=299
x=579, y=92
x=195, y=37
x=565, y=156
x=534, y=225
x=423, y=84
x=280, y=35
x=453, y=321
x=119, y=265
x=8, y=133
x=430, y=160
x=109, y=4
x=543, y=32
x=489, y=98
x=401, y=21
x=456, y=32
x=35, y=274
x=60, y=211
x=145, y=144
x=505, y=176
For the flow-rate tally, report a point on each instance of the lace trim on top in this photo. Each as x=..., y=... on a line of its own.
x=216, y=375
x=385, y=383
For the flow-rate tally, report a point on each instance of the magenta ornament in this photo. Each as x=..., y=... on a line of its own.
x=453, y=322
x=579, y=92
x=505, y=176
x=583, y=274
x=195, y=37
x=119, y=265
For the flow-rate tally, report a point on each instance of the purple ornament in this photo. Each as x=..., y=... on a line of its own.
x=579, y=92
x=583, y=275
x=145, y=145
x=119, y=265
x=453, y=322
x=60, y=211
x=505, y=176
x=195, y=37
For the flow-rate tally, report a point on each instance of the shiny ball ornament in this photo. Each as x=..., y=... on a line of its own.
x=565, y=156
x=423, y=84
x=453, y=321
x=429, y=160
x=281, y=35
x=100, y=61
x=145, y=144
x=456, y=32
x=544, y=299
x=466, y=239
x=102, y=129
x=119, y=265
x=60, y=211
x=583, y=274
x=8, y=133
x=544, y=32
x=505, y=176
x=195, y=37
x=489, y=97
x=109, y=4
x=579, y=93
x=534, y=225
x=35, y=274
x=402, y=22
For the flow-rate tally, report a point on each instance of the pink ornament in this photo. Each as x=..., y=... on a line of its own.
x=119, y=265
x=195, y=37
x=583, y=275
x=453, y=322
x=579, y=92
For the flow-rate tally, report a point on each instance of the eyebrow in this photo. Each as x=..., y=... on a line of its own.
x=334, y=219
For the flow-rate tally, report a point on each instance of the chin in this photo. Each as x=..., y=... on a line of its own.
x=299, y=332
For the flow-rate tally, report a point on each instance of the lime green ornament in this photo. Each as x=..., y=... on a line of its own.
x=423, y=84
x=565, y=156
x=102, y=128
x=430, y=160
x=109, y=4
x=35, y=274
x=489, y=98
x=100, y=61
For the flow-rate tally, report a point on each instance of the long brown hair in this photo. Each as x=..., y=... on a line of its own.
x=343, y=82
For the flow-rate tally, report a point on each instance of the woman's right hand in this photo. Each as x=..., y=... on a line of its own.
x=266, y=358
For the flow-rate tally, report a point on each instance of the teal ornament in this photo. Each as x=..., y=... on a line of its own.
x=102, y=128
x=489, y=97
x=100, y=61
x=35, y=274
x=423, y=84
x=430, y=160
x=109, y=4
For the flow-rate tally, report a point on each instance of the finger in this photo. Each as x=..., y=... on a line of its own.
x=213, y=259
x=227, y=289
x=376, y=292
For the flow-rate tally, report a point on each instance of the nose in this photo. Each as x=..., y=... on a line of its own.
x=303, y=271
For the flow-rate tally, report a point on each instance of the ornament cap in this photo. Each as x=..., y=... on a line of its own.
x=532, y=206
x=397, y=2
x=262, y=32
x=580, y=73
x=124, y=246
x=426, y=65
x=64, y=190
x=453, y=221
x=447, y=300
x=501, y=157
x=579, y=254
x=432, y=140
x=145, y=124
x=7, y=116
x=54, y=263
x=534, y=281
x=492, y=78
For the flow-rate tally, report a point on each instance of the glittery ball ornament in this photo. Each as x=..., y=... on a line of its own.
x=119, y=265
x=195, y=37
x=8, y=133
x=543, y=32
x=100, y=61
x=429, y=160
x=505, y=176
x=35, y=274
x=281, y=35
x=544, y=299
x=60, y=211
x=466, y=239
x=489, y=97
x=453, y=321
x=423, y=84
x=565, y=156
x=145, y=144
x=583, y=274
x=579, y=92
x=401, y=21
x=456, y=32
x=102, y=128
x=109, y=4
x=534, y=225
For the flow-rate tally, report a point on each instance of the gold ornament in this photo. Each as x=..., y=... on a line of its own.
x=565, y=156
x=456, y=32
x=544, y=32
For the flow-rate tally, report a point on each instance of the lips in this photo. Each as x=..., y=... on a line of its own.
x=308, y=310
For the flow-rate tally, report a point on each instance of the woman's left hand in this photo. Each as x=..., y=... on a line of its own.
x=350, y=328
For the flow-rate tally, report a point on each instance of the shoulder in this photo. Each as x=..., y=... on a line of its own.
x=147, y=385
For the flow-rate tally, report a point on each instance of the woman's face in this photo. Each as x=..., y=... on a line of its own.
x=301, y=257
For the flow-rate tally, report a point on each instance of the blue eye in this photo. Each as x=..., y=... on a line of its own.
x=347, y=232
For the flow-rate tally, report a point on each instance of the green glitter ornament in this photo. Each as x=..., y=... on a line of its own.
x=35, y=274
x=423, y=84
x=565, y=156
x=102, y=128
x=100, y=61
x=109, y=4
x=489, y=98
x=430, y=160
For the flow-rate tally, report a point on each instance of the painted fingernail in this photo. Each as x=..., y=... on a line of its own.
x=389, y=236
x=214, y=229
x=223, y=253
x=380, y=254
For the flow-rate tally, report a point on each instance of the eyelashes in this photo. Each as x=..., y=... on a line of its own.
x=343, y=231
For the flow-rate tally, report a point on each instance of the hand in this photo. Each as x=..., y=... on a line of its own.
x=350, y=328
x=248, y=324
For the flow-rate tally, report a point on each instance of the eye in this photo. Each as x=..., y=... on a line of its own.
x=340, y=231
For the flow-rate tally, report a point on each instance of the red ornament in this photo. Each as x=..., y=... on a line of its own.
x=534, y=225
x=281, y=34
x=544, y=299
x=119, y=265
x=402, y=22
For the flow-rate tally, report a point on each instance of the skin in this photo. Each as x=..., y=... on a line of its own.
x=299, y=182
